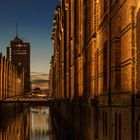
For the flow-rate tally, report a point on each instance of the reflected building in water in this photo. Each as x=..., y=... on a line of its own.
x=40, y=124
x=15, y=126
x=27, y=125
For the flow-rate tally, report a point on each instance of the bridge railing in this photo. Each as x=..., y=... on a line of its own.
x=27, y=98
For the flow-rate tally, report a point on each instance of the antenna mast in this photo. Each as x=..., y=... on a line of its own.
x=16, y=29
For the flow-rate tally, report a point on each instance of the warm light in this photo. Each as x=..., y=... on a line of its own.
x=19, y=80
x=54, y=21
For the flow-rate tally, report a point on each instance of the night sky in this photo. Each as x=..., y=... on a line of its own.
x=34, y=18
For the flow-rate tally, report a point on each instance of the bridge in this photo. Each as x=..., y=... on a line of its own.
x=28, y=99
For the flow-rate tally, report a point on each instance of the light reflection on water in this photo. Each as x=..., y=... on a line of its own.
x=40, y=124
x=29, y=124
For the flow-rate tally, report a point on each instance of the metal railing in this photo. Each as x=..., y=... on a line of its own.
x=27, y=99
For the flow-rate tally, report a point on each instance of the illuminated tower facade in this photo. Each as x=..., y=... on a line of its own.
x=19, y=55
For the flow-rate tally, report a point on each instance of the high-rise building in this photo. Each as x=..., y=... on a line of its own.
x=19, y=55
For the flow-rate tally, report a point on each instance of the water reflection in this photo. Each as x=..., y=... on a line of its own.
x=40, y=124
x=32, y=123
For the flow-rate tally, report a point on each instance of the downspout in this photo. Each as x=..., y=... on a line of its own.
x=133, y=101
x=109, y=50
x=109, y=71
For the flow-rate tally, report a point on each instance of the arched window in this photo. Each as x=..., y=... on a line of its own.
x=118, y=63
x=116, y=55
x=105, y=67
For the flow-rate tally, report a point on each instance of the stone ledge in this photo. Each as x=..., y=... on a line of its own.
x=122, y=99
x=103, y=100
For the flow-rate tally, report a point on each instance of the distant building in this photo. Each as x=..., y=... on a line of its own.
x=19, y=55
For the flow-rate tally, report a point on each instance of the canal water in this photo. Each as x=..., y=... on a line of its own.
x=31, y=123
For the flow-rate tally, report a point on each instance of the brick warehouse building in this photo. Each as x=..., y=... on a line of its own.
x=19, y=55
x=95, y=69
x=11, y=83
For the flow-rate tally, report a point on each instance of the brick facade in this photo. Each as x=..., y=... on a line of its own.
x=100, y=94
x=11, y=83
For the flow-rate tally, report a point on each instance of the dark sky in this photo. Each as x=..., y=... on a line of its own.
x=34, y=18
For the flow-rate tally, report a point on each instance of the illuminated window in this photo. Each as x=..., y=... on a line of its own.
x=19, y=45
